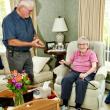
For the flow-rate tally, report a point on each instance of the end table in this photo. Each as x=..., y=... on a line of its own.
x=58, y=54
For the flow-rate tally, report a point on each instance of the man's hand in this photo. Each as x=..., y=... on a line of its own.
x=38, y=43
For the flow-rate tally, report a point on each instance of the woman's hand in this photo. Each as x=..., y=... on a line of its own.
x=91, y=70
x=82, y=75
x=62, y=62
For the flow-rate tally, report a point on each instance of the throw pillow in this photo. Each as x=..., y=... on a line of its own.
x=39, y=63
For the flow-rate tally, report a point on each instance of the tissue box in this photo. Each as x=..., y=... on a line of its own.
x=42, y=93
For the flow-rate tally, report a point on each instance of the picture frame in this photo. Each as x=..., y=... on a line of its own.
x=50, y=45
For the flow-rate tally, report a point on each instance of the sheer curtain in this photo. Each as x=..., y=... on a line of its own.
x=91, y=18
x=107, y=31
x=34, y=19
x=13, y=4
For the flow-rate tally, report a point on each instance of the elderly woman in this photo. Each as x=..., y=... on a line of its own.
x=83, y=63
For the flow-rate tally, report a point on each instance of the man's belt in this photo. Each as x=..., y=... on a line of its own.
x=16, y=50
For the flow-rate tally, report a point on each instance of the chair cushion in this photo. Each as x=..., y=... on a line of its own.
x=46, y=68
x=39, y=63
x=2, y=79
x=43, y=76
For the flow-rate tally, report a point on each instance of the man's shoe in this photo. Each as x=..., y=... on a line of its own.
x=64, y=107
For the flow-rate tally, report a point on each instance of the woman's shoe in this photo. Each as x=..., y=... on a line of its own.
x=78, y=106
x=64, y=107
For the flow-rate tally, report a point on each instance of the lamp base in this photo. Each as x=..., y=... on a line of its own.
x=60, y=46
x=60, y=38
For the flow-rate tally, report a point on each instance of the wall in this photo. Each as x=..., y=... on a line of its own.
x=71, y=17
x=48, y=10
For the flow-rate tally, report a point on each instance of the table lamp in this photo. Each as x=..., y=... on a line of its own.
x=59, y=26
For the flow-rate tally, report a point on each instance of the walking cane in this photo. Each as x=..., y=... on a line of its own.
x=84, y=78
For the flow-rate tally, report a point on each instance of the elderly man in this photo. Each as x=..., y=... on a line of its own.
x=19, y=36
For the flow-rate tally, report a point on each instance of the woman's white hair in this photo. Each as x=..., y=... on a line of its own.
x=83, y=39
x=27, y=3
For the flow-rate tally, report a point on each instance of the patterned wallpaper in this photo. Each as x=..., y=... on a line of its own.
x=48, y=10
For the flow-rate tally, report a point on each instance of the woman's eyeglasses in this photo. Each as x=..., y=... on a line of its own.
x=82, y=44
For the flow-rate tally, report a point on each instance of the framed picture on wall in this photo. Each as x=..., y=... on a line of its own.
x=50, y=45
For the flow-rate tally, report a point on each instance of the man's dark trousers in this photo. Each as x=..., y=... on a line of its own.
x=20, y=61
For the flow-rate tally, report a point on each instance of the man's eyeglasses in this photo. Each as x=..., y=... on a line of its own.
x=82, y=43
x=29, y=10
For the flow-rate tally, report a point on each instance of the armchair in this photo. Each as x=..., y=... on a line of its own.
x=94, y=96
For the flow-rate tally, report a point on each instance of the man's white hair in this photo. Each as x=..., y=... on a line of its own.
x=83, y=39
x=27, y=3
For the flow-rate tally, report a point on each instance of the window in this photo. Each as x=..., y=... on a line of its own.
x=107, y=29
x=4, y=10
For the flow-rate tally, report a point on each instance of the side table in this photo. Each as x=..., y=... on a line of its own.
x=6, y=98
x=59, y=54
x=34, y=104
x=40, y=104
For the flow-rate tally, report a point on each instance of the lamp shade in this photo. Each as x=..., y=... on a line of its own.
x=59, y=25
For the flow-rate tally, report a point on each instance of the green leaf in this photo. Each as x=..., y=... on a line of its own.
x=24, y=88
x=27, y=82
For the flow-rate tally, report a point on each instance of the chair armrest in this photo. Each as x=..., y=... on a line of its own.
x=60, y=70
x=101, y=73
x=3, y=80
x=95, y=83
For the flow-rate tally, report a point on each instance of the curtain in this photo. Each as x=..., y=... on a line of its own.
x=13, y=4
x=34, y=19
x=91, y=19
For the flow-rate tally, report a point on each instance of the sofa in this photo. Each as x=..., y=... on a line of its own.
x=94, y=95
x=41, y=70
